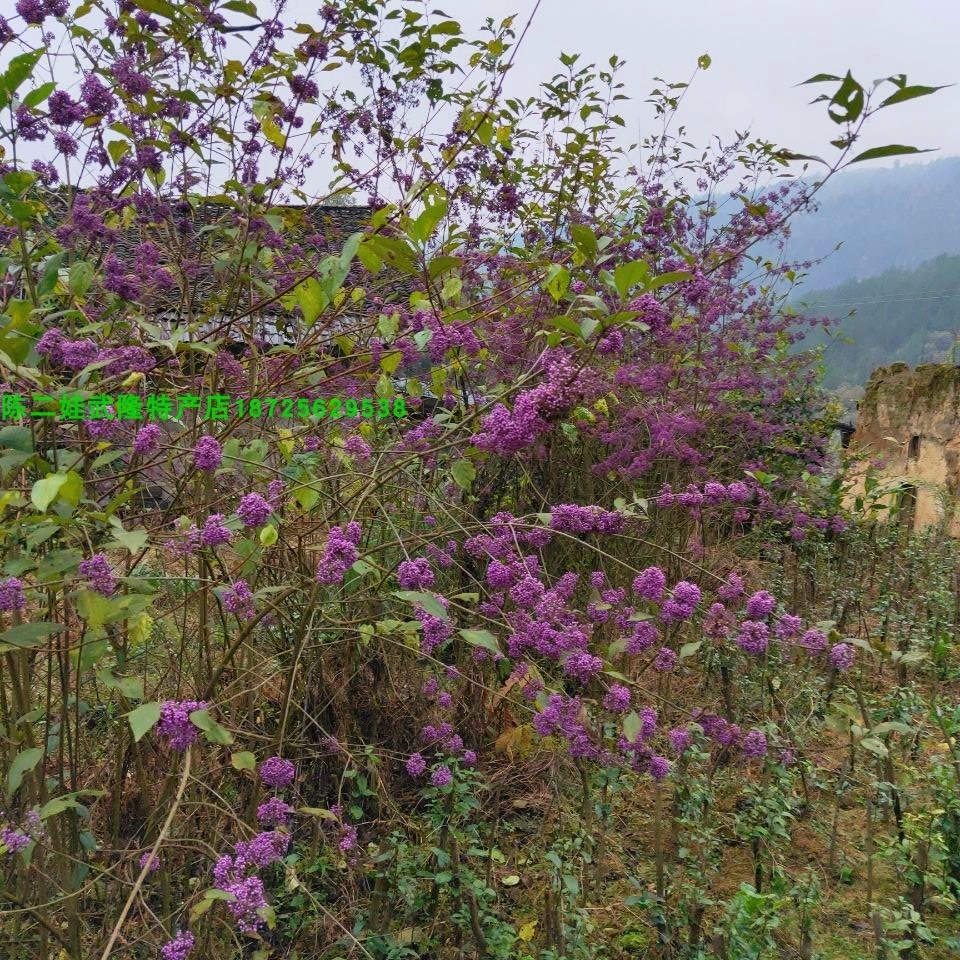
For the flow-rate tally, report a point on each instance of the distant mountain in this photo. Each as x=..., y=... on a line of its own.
x=892, y=217
x=908, y=315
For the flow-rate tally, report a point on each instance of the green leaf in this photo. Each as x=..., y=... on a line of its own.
x=847, y=103
x=567, y=324
x=628, y=275
x=52, y=807
x=118, y=149
x=45, y=491
x=891, y=726
x=307, y=497
x=268, y=915
x=216, y=894
x=143, y=719
x=27, y=635
x=557, y=281
x=369, y=259
x=427, y=601
x=311, y=300
x=481, y=638
x=243, y=761
x=19, y=69
x=675, y=276
x=510, y=881
x=269, y=534
x=689, y=649
x=891, y=150
x=440, y=265
x=57, y=562
x=820, y=78
x=72, y=489
x=911, y=93
x=80, y=278
x=24, y=761
x=317, y=812
x=130, y=687
x=875, y=746
x=272, y=132
x=584, y=240
x=161, y=7
x=211, y=729
x=464, y=473
x=132, y=540
x=423, y=227
x=704, y=61
x=588, y=326
x=35, y=97
x=632, y=725
x=17, y=438
x=95, y=608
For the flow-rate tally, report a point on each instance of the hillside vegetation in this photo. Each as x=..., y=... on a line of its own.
x=907, y=315
x=894, y=217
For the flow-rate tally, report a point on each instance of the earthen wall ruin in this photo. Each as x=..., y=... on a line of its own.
x=908, y=425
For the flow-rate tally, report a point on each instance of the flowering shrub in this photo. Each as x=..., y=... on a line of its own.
x=326, y=659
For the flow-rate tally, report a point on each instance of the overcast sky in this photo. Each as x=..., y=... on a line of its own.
x=760, y=50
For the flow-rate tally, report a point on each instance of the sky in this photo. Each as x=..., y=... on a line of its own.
x=760, y=51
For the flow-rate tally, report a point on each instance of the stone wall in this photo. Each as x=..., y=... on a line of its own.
x=909, y=423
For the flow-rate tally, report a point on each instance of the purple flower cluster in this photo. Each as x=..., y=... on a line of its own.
x=682, y=603
x=236, y=874
x=441, y=777
x=842, y=656
x=277, y=773
x=147, y=439
x=274, y=813
x=175, y=725
x=571, y=518
x=416, y=765
x=415, y=574
x=179, y=948
x=732, y=590
x=754, y=744
x=680, y=738
x=814, y=640
x=98, y=573
x=214, y=532
x=617, y=699
x=207, y=454
x=12, y=596
x=582, y=665
x=561, y=718
x=339, y=554
x=760, y=605
x=14, y=840
x=754, y=637
x=253, y=510
x=665, y=660
x=436, y=630
x=238, y=599
x=649, y=584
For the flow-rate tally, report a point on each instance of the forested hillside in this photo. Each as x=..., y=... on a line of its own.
x=893, y=217
x=908, y=315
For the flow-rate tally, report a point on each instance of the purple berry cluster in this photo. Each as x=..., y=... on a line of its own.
x=175, y=725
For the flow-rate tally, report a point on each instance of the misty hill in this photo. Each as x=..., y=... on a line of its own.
x=908, y=315
x=890, y=217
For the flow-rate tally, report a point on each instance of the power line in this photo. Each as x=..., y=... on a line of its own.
x=856, y=302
